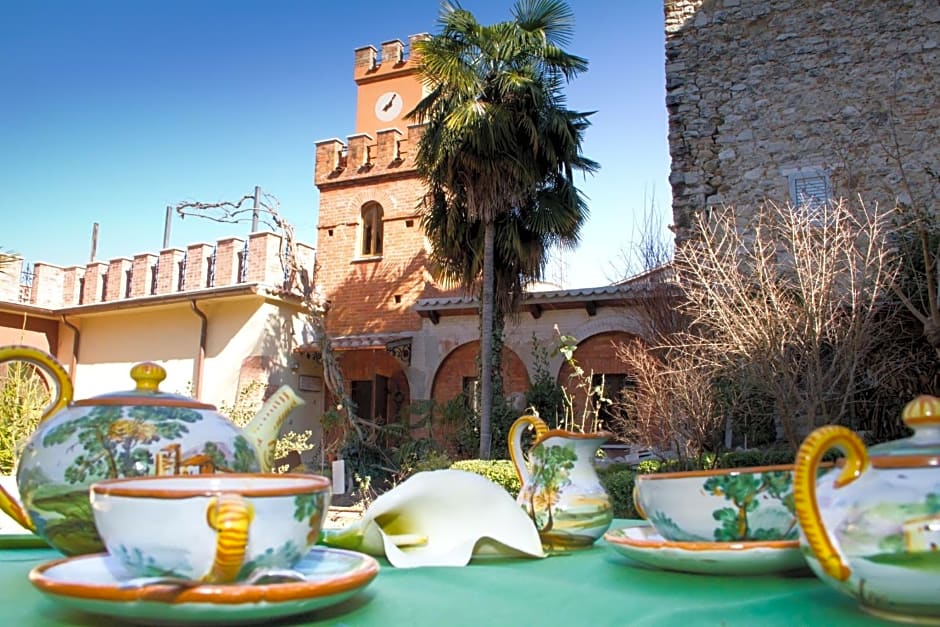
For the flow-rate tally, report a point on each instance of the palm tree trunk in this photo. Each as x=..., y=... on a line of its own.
x=486, y=341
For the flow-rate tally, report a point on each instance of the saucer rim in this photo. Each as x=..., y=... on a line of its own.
x=616, y=536
x=214, y=594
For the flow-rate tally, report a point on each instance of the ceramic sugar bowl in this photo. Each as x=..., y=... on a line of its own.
x=135, y=433
x=872, y=527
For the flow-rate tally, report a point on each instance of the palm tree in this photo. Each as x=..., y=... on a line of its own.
x=498, y=155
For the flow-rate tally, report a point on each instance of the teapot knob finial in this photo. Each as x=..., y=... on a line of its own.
x=148, y=376
x=923, y=410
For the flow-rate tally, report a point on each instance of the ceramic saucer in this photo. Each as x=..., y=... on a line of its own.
x=644, y=545
x=92, y=583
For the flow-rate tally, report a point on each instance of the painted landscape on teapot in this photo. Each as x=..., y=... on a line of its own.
x=568, y=511
x=753, y=512
x=113, y=441
x=891, y=542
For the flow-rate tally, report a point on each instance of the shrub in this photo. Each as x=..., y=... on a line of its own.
x=23, y=396
x=744, y=459
x=499, y=471
x=619, y=487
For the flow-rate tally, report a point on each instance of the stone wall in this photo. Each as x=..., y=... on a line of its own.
x=759, y=91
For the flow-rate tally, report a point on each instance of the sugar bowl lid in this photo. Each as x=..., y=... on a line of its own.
x=147, y=376
x=921, y=449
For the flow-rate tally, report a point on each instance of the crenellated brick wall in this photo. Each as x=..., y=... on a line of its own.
x=120, y=278
x=760, y=90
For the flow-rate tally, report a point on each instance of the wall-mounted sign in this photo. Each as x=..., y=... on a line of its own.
x=309, y=383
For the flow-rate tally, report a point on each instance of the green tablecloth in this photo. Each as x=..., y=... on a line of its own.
x=593, y=587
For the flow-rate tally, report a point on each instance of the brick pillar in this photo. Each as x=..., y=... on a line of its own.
x=117, y=278
x=306, y=257
x=168, y=271
x=327, y=159
x=10, y=280
x=264, y=264
x=364, y=59
x=96, y=273
x=393, y=52
x=226, y=260
x=142, y=276
x=197, y=266
x=48, y=286
x=358, y=155
x=72, y=285
x=386, y=146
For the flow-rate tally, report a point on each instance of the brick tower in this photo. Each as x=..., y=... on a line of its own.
x=371, y=252
x=370, y=246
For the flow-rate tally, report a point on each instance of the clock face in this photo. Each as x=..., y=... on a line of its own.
x=388, y=106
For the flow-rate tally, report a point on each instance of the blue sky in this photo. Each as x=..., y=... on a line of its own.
x=112, y=110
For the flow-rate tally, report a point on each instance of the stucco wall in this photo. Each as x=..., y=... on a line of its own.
x=758, y=88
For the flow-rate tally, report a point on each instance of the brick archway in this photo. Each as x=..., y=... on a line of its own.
x=461, y=364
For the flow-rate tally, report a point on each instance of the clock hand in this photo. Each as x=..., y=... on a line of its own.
x=388, y=105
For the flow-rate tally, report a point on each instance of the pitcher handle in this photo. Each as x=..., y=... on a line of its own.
x=63, y=396
x=515, y=443
x=808, y=458
x=230, y=515
x=46, y=362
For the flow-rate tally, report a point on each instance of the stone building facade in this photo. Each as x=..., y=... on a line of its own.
x=801, y=101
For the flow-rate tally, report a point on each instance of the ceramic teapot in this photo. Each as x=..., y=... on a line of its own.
x=124, y=434
x=561, y=491
x=872, y=528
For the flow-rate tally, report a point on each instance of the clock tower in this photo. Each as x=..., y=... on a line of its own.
x=372, y=263
x=388, y=87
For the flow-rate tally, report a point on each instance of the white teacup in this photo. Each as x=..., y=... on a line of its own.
x=211, y=528
x=724, y=505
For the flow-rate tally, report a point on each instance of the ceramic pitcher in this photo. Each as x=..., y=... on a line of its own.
x=561, y=491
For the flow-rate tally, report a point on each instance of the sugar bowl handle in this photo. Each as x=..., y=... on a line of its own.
x=46, y=362
x=808, y=459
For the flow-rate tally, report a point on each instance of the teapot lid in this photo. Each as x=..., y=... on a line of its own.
x=147, y=376
x=923, y=416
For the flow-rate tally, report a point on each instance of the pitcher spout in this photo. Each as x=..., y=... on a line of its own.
x=263, y=429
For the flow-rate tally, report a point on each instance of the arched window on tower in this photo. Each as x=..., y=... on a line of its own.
x=371, y=235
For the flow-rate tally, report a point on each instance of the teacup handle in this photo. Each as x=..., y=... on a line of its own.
x=63, y=396
x=230, y=515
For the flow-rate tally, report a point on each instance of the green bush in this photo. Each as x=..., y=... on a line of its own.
x=499, y=471
x=619, y=487
x=744, y=459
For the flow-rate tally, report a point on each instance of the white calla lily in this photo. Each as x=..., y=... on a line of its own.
x=441, y=518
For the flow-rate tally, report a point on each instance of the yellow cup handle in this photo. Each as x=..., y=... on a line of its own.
x=230, y=515
x=808, y=459
x=63, y=396
x=515, y=443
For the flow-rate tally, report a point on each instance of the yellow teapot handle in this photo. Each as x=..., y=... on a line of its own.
x=808, y=459
x=43, y=361
x=63, y=396
x=230, y=515
x=515, y=442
